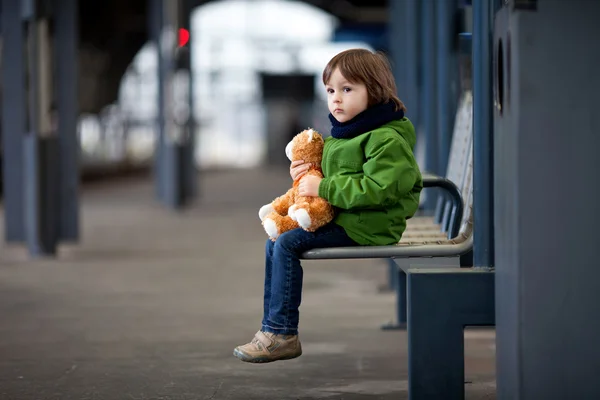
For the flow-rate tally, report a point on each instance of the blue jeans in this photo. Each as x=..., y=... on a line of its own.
x=283, y=274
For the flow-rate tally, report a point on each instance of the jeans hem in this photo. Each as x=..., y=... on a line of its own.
x=280, y=331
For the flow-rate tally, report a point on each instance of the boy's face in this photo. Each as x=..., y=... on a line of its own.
x=344, y=99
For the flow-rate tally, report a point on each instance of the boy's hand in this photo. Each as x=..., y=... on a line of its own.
x=298, y=168
x=309, y=186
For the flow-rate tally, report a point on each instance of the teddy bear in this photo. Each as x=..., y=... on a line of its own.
x=291, y=211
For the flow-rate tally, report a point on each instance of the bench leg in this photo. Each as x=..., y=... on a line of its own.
x=400, y=323
x=441, y=302
x=392, y=279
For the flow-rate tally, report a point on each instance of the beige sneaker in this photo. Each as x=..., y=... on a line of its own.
x=267, y=347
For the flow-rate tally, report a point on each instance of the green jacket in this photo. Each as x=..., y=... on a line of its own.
x=374, y=182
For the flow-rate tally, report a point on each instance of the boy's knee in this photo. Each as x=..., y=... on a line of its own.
x=288, y=241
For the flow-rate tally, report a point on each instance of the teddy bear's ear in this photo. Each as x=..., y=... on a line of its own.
x=310, y=135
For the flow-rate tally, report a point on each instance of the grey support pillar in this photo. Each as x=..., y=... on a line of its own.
x=39, y=124
x=173, y=138
x=404, y=39
x=483, y=150
x=428, y=112
x=410, y=94
x=398, y=38
x=40, y=142
x=66, y=34
x=190, y=175
x=165, y=38
x=445, y=13
x=445, y=66
x=546, y=213
x=154, y=28
x=13, y=119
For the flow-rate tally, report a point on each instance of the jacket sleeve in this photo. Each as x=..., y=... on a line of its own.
x=389, y=173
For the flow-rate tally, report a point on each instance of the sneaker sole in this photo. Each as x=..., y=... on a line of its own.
x=261, y=360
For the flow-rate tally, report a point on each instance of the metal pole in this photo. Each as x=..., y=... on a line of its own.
x=154, y=27
x=169, y=172
x=410, y=95
x=66, y=47
x=13, y=120
x=445, y=114
x=189, y=164
x=398, y=38
x=40, y=145
x=483, y=161
x=428, y=103
x=444, y=10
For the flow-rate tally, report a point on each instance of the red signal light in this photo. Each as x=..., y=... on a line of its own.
x=184, y=37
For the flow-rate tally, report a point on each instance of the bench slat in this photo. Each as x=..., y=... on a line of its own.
x=447, y=249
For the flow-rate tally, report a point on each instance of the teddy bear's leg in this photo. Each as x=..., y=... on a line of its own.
x=302, y=216
x=282, y=203
x=264, y=211
x=292, y=211
x=276, y=224
x=313, y=213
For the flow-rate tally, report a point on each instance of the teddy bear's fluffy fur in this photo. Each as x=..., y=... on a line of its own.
x=291, y=211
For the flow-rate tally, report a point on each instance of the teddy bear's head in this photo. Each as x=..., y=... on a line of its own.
x=307, y=146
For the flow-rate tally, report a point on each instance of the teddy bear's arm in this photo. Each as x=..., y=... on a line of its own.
x=282, y=203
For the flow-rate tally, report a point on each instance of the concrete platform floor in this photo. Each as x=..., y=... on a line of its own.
x=150, y=304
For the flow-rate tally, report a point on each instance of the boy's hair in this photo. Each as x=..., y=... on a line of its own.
x=371, y=69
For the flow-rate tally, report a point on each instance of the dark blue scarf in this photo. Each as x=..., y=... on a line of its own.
x=371, y=118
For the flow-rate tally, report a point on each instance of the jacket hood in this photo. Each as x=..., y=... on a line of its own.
x=405, y=129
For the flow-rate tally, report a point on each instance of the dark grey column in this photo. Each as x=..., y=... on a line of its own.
x=172, y=132
x=445, y=12
x=398, y=39
x=164, y=162
x=404, y=40
x=428, y=99
x=40, y=143
x=154, y=28
x=172, y=148
x=483, y=150
x=65, y=50
x=190, y=171
x=13, y=119
x=410, y=94
x=546, y=213
x=445, y=67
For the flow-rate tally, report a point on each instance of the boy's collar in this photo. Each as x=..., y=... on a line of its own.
x=372, y=118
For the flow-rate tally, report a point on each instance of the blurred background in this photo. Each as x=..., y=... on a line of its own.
x=255, y=74
x=256, y=82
